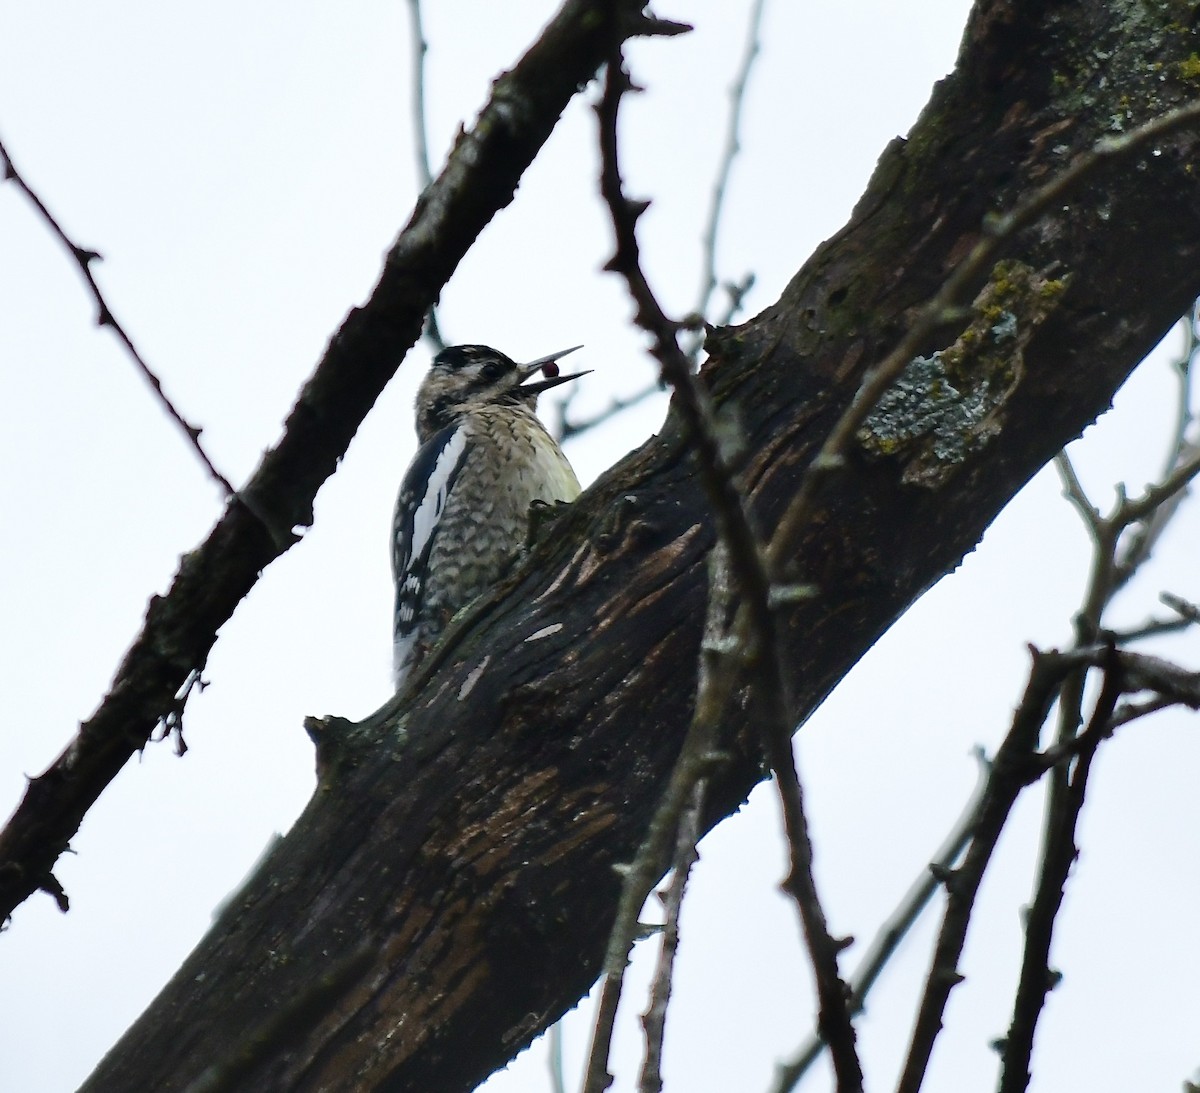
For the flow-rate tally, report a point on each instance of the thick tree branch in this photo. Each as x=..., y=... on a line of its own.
x=471, y=834
x=180, y=628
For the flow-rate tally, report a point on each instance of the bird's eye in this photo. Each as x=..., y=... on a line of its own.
x=493, y=370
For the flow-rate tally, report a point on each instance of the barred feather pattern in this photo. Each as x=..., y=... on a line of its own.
x=478, y=478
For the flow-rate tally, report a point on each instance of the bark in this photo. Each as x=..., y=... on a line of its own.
x=447, y=893
x=259, y=525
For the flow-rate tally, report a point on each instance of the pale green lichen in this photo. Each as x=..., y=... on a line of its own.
x=926, y=405
x=1189, y=67
x=947, y=405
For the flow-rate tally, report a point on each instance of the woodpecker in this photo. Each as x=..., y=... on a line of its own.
x=462, y=515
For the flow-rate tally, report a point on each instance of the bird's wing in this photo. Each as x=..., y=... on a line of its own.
x=423, y=493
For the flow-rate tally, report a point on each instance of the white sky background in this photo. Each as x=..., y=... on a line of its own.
x=242, y=168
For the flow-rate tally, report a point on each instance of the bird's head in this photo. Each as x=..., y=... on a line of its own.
x=463, y=378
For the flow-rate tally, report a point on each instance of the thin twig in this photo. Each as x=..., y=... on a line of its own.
x=755, y=625
x=737, y=99
x=1009, y=775
x=1074, y=492
x=571, y=429
x=734, y=523
x=1060, y=852
x=893, y=931
x=654, y=1020
x=558, y=1082
x=948, y=301
x=714, y=685
x=1069, y=759
x=736, y=290
x=1152, y=628
x=104, y=317
x=1180, y=606
x=1134, y=711
x=420, y=47
x=1182, y=364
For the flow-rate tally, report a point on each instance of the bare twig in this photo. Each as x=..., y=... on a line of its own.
x=1074, y=492
x=714, y=686
x=1059, y=851
x=1111, y=567
x=893, y=931
x=737, y=99
x=104, y=317
x=1184, y=415
x=180, y=628
x=1135, y=711
x=755, y=626
x=736, y=290
x=1011, y=771
x=654, y=1020
x=558, y=1082
x=1070, y=757
x=734, y=523
x=1144, y=537
x=952, y=296
x=1152, y=628
x=1180, y=606
x=420, y=47
x=615, y=406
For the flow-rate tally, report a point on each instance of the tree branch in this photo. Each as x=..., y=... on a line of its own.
x=104, y=317
x=654, y=1020
x=754, y=635
x=1009, y=775
x=893, y=931
x=737, y=100
x=180, y=628
x=1060, y=851
x=420, y=48
x=471, y=832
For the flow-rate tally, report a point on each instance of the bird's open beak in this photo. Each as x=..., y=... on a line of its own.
x=552, y=378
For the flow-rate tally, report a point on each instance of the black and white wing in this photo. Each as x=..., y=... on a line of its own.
x=419, y=508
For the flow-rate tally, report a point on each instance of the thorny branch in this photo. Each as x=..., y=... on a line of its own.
x=753, y=634
x=104, y=317
x=1009, y=776
x=1059, y=851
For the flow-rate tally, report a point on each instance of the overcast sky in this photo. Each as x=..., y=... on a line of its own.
x=242, y=168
